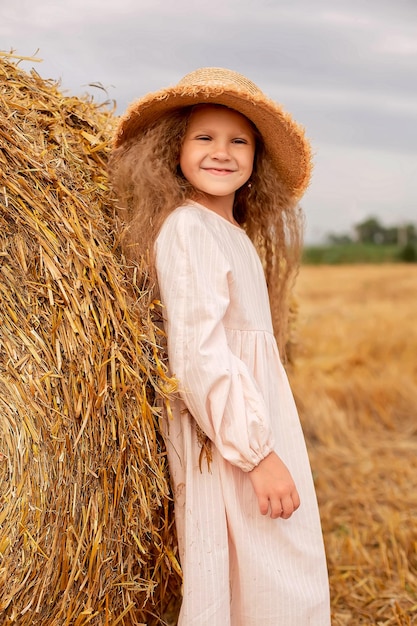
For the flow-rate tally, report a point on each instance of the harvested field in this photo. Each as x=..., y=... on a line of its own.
x=355, y=381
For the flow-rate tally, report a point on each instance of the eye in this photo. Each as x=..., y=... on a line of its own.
x=239, y=140
x=203, y=137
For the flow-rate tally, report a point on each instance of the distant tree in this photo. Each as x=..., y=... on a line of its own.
x=408, y=253
x=338, y=240
x=402, y=234
x=370, y=231
x=392, y=235
x=411, y=231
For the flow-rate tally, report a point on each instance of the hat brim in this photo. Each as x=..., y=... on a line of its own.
x=284, y=139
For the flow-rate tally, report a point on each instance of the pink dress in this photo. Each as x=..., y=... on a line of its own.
x=240, y=568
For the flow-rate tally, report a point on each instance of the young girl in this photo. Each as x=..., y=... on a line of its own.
x=207, y=172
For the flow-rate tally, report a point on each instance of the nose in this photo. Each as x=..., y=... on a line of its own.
x=220, y=150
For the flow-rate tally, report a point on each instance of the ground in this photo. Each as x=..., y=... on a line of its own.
x=355, y=381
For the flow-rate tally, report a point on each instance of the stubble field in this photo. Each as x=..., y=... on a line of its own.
x=355, y=381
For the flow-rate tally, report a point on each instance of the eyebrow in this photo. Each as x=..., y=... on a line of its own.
x=210, y=130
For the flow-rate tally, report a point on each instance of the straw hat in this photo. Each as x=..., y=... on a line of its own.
x=283, y=138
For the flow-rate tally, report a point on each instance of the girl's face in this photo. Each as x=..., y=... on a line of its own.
x=217, y=153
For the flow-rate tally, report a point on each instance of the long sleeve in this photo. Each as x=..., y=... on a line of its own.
x=194, y=278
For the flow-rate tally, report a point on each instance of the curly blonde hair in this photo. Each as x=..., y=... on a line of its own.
x=149, y=185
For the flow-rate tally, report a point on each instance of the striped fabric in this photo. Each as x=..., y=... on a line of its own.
x=240, y=568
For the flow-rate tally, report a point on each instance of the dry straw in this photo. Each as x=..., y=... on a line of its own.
x=355, y=380
x=86, y=524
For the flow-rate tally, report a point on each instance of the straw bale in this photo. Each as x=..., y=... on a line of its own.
x=86, y=522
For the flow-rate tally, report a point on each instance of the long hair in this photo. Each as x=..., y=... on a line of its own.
x=149, y=185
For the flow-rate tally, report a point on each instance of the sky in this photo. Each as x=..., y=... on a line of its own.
x=345, y=69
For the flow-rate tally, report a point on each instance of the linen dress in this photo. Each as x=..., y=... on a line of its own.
x=240, y=568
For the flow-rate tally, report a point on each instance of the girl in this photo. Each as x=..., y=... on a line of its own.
x=205, y=172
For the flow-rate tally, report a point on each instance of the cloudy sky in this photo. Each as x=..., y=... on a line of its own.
x=345, y=69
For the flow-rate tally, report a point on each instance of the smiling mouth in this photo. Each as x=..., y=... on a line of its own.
x=217, y=171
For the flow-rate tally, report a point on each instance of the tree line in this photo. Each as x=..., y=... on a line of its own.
x=371, y=231
x=369, y=242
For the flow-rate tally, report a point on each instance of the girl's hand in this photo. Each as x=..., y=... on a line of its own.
x=274, y=487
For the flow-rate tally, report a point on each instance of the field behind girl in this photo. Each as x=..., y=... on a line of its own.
x=355, y=381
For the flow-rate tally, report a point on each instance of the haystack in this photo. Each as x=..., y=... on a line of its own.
x=86, y=523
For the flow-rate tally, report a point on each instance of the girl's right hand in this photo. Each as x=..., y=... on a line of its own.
x=274, y=487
